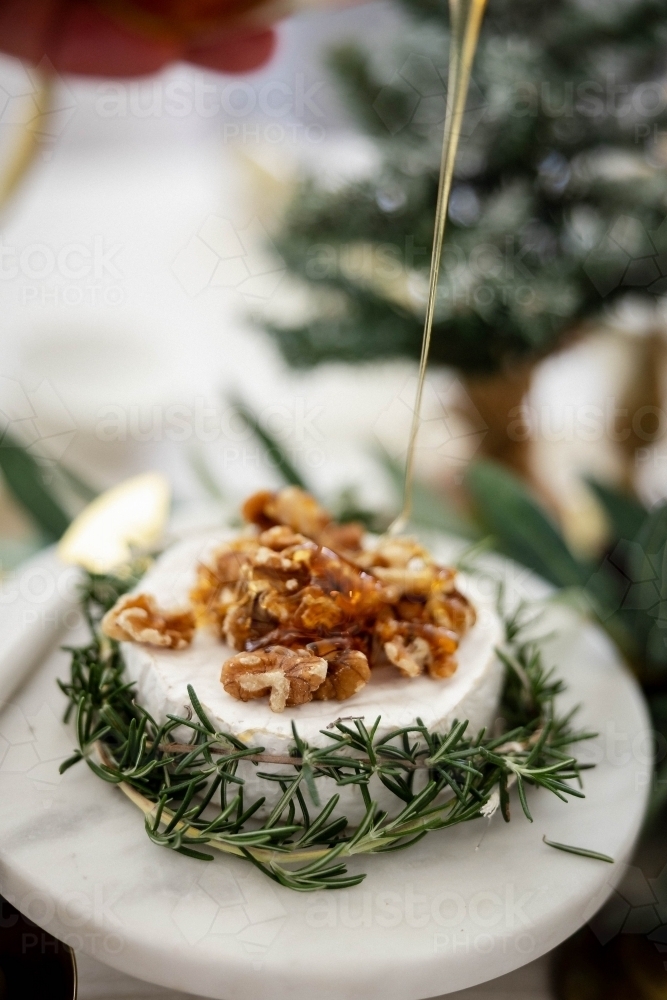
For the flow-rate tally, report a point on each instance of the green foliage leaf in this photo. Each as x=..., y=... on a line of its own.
x=80, y=487
x=625, y=514
x=25, y=480
x=350, y=66
x=645, y=603
x=650, y=540
x=520, y=527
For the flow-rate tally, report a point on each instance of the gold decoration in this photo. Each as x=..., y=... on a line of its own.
x=26, y=150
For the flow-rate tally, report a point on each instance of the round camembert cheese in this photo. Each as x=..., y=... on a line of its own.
x=162, y=677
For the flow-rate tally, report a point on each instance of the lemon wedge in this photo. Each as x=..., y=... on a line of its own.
x=131, y=515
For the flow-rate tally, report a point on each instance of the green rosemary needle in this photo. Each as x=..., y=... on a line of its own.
x=583, y=852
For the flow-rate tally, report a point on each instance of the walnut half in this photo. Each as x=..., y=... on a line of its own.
x=347, y=673
x=291, y=507
x=137, y=618
x=410, y=658
x=288, y=676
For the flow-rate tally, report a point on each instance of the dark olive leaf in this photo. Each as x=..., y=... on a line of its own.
x=647, y=565
x=84, y=490
x=652, y=536
x=25, y=480
x=625, y=514
x=644, y=603
x=522, y=530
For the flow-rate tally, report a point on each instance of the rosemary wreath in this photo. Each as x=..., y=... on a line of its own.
x=192, y=797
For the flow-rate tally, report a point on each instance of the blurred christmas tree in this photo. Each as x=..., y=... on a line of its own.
x=557, y=208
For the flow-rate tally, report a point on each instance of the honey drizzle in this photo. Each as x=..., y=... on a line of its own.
x=465, y=24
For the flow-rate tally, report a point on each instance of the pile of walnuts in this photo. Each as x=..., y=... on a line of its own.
x=311, y=610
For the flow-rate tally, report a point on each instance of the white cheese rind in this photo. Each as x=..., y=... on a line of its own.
x=162, y=677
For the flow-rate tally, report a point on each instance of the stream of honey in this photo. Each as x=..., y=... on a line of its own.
x=465, y=23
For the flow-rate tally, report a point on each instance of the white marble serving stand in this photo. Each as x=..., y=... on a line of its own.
x=461, y=907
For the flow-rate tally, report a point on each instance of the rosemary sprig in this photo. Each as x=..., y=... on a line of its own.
x=192, y=795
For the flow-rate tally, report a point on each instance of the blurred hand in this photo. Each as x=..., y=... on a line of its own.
x=132, y=37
